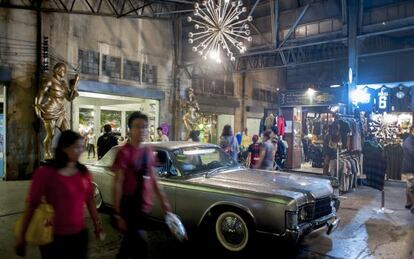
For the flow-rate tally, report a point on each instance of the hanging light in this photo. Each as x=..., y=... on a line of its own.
x=218, y=29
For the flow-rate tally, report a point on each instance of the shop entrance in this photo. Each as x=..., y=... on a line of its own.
x=315, y=124
x=92, y=111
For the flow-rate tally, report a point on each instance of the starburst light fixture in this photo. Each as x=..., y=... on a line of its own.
x=219, y=29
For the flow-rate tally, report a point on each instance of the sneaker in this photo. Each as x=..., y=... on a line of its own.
x=408, y=206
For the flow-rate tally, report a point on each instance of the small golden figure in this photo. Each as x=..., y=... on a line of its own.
x=50, y=104
x=191, y=115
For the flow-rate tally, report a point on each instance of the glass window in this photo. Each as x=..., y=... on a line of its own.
x=312, y=29
x=111, y=66
x=325, y=26
x=132, y=70
x=113, y=118
x=300, y=31
x=194, y=160
x=89, y=62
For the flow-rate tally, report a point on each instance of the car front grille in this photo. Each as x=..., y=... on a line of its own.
x=322, y=207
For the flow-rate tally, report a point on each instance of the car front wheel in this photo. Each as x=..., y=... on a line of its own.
x=232, y=231
x=97, y=196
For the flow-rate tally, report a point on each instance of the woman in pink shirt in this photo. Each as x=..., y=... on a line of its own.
x=66, y=184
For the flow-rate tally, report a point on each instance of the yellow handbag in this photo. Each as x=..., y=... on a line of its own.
x=40, y=229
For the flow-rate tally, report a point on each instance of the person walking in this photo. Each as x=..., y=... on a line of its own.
x=408, y=169
x=134, y=185
x=106, y=141
x=254, y=152
x=67, y=186
x=267, y=151
x=228, y=142
x=161, y=136
x=91, y=143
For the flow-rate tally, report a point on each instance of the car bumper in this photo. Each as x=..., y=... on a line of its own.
x=330, y=222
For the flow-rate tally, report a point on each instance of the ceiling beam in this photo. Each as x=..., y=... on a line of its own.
x=293, y=28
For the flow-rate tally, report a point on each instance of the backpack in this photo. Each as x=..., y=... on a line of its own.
x=229, y=149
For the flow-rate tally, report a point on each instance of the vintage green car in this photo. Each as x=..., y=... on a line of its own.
x=207, y=188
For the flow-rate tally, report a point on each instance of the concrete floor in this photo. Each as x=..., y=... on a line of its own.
x=363, y=233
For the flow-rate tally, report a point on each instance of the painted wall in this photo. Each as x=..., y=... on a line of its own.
x=143, y=40
x=17, y=53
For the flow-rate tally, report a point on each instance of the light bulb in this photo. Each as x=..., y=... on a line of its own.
x=196, y=5
x=189, y=19
x=194, y=49
x=246, y=26
x=244, y=9
x=196, y=26
x=190, y=41
x=250, y=18
x=190, y=34
x=233, y=59
x=249, y=39
x=247, y=32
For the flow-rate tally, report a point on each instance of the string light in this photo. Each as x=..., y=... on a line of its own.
x=219, y=29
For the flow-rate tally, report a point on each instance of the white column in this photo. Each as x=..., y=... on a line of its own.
x=123, y=123
x=97, y=120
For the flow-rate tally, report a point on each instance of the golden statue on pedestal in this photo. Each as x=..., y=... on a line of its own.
x=191, y=115
x=50, y=104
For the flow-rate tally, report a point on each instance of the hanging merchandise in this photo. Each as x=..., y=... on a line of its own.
x=368, y=103
x=394, y=155
x=375, y=164
x=383, y=98
x=401, y=99
x=281, y=125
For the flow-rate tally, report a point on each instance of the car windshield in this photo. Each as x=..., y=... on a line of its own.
x=193, y=160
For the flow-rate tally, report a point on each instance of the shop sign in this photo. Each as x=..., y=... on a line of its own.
x=318, y=97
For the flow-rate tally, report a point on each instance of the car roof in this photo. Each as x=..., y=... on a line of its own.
x=171, y=145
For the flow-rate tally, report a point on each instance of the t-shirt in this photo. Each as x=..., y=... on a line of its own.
x=130, y=160
x=163, y=138
x=383, y=97
x=267, y=162
x=400, y=99
x=105, y=143
x=372, y=100
x=254, y=150
x=66, y=194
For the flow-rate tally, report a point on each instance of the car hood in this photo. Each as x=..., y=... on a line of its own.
x=270, y=182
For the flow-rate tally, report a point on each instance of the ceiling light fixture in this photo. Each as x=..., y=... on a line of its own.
x=219, y=29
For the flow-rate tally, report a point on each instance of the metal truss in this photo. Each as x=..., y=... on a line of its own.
x=150, y=9
x=292, y=56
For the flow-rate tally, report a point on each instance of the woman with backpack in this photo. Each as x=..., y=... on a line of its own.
x=228, y=142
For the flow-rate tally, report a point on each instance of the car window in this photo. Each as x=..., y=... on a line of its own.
x=161, y=163
x=193, y=160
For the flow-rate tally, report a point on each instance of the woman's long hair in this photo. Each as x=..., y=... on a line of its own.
x=67, y=139
x=227, y=131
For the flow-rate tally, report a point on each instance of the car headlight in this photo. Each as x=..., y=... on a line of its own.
x=303, y=214
x=291, y=219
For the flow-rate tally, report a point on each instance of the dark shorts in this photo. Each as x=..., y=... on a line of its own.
x=67, y=247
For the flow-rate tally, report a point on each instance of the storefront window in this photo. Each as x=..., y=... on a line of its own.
x=112, y=118
x=92, y=111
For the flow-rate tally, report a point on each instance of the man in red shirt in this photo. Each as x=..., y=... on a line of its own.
x=134, y=184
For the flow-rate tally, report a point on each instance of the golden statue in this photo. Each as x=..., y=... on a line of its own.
x=50, y=104
x=191, y=115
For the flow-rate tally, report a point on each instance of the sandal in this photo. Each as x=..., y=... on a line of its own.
x=408, y=206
